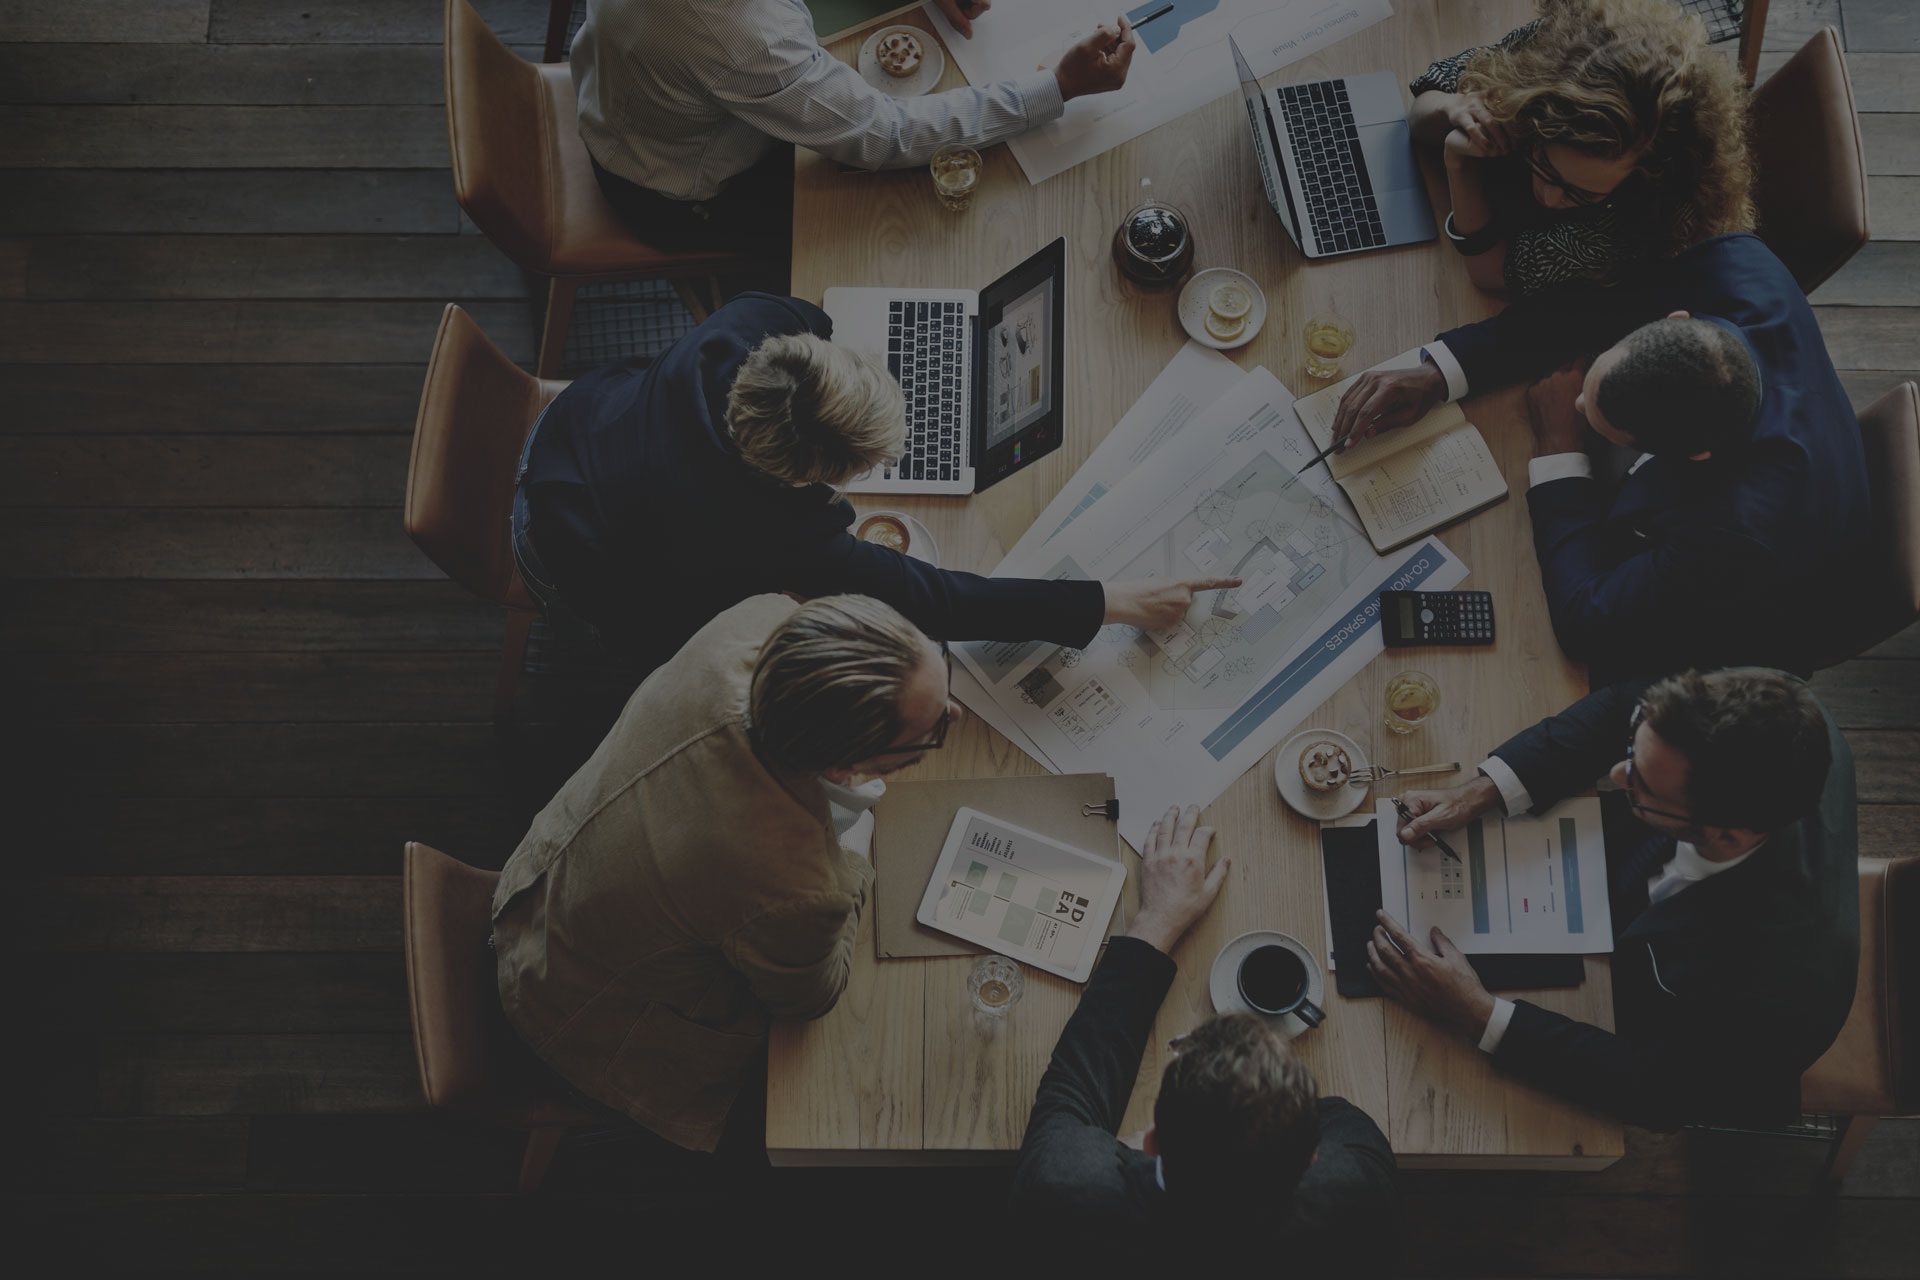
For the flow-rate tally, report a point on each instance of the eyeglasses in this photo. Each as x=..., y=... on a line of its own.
x=1537, y=161
x=1633, y=787
x=939, y=738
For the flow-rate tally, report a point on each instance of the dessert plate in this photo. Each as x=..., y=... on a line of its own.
x=933, y=64
x=1321, y=806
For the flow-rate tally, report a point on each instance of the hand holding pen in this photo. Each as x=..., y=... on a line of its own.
x=1098, y=64
x=1407, y=816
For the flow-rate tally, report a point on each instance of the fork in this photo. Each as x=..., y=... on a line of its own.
x=1371, y=774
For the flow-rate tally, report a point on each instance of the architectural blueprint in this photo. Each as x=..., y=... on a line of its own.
x=1182, y=61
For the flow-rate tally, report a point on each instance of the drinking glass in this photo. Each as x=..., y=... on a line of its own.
x=1328, y=337
x=995, y=983
x=956, y=172
x=1412, y=698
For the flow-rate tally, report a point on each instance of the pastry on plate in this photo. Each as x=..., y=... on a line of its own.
x=1325, y=766
x=899, y=54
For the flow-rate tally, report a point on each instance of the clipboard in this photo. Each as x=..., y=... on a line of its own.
x=910, y=826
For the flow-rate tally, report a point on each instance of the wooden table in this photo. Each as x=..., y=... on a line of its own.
x=903, y=1069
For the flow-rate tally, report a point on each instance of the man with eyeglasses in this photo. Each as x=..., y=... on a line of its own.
x=695, y=879
x=1733, y=890
x=1732, y=536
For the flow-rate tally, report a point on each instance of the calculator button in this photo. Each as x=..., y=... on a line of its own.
x=1426, y=615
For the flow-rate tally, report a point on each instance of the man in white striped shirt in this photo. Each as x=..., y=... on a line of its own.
x=683, y=105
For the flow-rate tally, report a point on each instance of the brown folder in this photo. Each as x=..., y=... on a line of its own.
x=911, y=822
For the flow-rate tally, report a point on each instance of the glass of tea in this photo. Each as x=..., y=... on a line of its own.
x=995, y=983
x=1154, y=242
x=1328, y=337
x=956, y=172
x=1412, y=698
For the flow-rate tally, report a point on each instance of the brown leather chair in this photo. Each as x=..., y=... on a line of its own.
x=475, y=412
x=1811, y=188
x=1889, y=585
x=470, y=1059
x=1873, y=1069
x=522, y=174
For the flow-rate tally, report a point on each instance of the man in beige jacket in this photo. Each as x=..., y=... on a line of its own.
x=688, y=884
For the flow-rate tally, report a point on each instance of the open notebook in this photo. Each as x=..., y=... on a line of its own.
x=1409, y=482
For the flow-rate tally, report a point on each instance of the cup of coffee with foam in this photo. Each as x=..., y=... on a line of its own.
x=1273, y=980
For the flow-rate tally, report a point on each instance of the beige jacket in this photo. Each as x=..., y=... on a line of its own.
x=676, y=895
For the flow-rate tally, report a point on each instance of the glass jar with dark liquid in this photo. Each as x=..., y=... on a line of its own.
x=1154, y=243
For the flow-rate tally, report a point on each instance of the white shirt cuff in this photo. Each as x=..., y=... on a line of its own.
x=1496, y=1025
x=1041, y=97
x=1513, y=792
x=1449, y=368
x=1558, y=466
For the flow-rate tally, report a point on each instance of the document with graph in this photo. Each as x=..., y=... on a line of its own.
x=1015, y=891
x=1532, y=883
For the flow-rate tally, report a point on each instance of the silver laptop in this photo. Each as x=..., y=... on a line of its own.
x=1337, y=161
x=982, y=373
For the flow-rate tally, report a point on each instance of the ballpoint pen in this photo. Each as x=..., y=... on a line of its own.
x=1318, y=458
x=1161, y=12
x=1406, y=815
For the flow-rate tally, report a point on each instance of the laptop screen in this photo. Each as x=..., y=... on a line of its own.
x=1266, y=147
x=1021, y=362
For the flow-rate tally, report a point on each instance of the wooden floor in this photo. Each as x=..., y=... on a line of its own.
x=226, y=233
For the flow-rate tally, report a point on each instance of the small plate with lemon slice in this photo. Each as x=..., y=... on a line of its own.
x=1222, y=308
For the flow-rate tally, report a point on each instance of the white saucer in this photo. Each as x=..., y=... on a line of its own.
x=1193, y=306
x=1321, y=806
x=920, y=544
x=1223, y=982
x=933, y=64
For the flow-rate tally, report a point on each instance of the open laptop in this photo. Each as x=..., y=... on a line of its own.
x=982, y=373
x=1337, y=161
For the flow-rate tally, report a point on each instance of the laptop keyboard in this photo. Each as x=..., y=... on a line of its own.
x=926, y=351
x=1333, y=175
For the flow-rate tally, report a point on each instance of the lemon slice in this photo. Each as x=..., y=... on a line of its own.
x=1230, y=301
x=1225, y=330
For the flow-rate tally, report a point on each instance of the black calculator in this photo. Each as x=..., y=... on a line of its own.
x=1436, y=617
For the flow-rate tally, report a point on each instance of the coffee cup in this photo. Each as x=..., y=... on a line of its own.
x=1273, y=980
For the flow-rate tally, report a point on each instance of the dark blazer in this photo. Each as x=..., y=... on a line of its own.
x=1725, y=992
x=1074, y=1176
x=650, y=524
x=1727, y=562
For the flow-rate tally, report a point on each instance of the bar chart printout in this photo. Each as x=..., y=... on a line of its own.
x=1532, y=883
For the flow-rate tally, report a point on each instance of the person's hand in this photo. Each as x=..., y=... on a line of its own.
x=1175, y=886
x=1558, y=425
x=1098, y=64
x=1154, y=603
x=1434, y=980
x=1474, y=133
x=1446, y=810
x=961, y=12
x=1385, y=399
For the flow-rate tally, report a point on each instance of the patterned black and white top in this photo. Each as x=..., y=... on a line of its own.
x=1546, y=247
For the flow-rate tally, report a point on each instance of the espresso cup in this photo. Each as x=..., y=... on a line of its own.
x=1273, y=980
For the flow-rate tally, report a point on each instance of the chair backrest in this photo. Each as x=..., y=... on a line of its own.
x=475, y=411
x=501, y=136
x=1890, y=432
x=1811, y=188
x=1873, y=1069
x=451, y=987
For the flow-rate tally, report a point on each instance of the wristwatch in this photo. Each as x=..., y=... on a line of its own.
x=1477, y=243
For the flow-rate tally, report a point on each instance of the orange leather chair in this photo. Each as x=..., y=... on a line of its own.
x=1889, y=580
x=475, y=412
x=470, y=1059
x=522, y=174
x=1873, y=1069
x=1811, y=188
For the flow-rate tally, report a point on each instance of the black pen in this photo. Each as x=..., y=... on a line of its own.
x=1318, y=458
x=1161, y=12
x=1406, y=815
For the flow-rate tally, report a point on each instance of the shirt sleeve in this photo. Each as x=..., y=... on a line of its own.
x=1513, y=792
x=1496, y=1025
x=797, y=92
x=1558, y=466
x=1449, y=366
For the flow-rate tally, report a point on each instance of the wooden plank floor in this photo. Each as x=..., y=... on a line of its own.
x=226, y=232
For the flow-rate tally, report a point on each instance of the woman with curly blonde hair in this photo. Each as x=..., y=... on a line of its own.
x=1603, y=135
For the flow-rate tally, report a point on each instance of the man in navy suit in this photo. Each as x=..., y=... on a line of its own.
x=652, y=498
x=1728, y=541
x=1735, y=905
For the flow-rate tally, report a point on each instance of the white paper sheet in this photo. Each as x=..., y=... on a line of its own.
x=1182, y=62
x=1523, y=884
x=1176, y=716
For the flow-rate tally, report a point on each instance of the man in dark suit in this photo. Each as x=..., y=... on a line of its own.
x=1240, y=1143
x=651, y=499
x=1735, y=907
x=1726, y=542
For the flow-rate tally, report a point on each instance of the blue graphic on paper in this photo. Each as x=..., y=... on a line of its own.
x=1162, y=32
